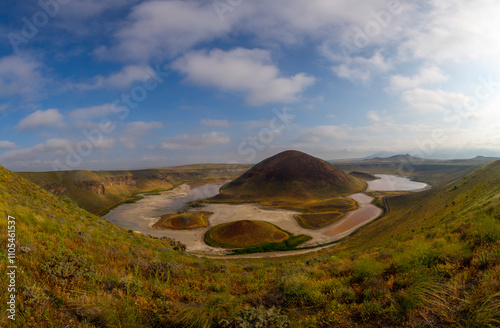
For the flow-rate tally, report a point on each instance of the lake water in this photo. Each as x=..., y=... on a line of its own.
x=389, y=182
x=141, y=215
x=137, y=216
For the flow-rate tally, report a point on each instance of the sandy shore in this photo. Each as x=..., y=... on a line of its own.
x=142, y=215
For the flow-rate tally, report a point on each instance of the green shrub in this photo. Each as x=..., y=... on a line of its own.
x=366, y=268
x=261, y=317
x=64, y=267
x=298, y=288
x=486, y=229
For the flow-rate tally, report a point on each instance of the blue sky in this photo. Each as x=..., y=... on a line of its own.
x=115, y=84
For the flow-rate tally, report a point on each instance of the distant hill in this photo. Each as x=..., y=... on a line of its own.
x=292, y=175
x=363, y=176
x=433, y=171
x=401, y=158
x=96, y=191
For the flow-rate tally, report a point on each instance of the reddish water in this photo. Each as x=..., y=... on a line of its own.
x=361, y=216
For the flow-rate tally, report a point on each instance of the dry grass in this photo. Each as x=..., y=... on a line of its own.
x=245, y=233
x=186, y=220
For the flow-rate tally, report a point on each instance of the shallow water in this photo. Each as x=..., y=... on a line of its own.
x=141, y=215
x=138, y=215
x=389, y=182
x=366, y=213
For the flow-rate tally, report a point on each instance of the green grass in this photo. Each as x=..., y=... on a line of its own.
x=289, y=244
x=245, y=234
x=434, y=260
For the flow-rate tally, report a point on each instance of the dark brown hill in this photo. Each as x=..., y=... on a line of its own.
x=291, y=175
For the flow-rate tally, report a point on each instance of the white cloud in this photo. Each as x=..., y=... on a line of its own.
x=43, y=155
x=196, y=141
x=374, y=116
x=19, y=76
x=453, y=30
x=159, y=29
x=425, y=101
x=243, y=70
x=55, y=145
x=361, y=69
x=88, y=113
x=325, y=133
x=84, y=9
x=4, y=144
x=120, y=80
x=426, y=75
x=139, y=127
x=49, y=118
x=214, y=123
x=131, y=137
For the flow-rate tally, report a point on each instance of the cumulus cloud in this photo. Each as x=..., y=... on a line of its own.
x=44, y=155
x=139, y=127
x=427, y=75
x=361, y=69
x=56, y=146
x=425, y=101
x=120, y=80
x=195, y=141
x=242, y=70
x=19, y=76
x=4, y=144
x=453, y=30
x=49, y=118
x=132, y=134
x=324, y=133
x=374, y=116
x=159, y=29
x=215, y=123
x=88, y=113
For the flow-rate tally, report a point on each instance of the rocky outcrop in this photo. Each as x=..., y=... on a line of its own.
x=124, y=180
x=92, y=185
x=55, y=188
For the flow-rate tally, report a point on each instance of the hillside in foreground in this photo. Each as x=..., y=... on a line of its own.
x=433, y=261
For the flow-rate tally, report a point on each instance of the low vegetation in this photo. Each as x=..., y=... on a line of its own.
x=186, y=220
x=433, y=261
x=244, y=234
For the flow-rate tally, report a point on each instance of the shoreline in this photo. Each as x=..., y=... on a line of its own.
x=142, y=215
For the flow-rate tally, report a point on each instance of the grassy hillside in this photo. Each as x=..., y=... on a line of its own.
x=434, y=261
x=435, y=172
x=97, y=191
